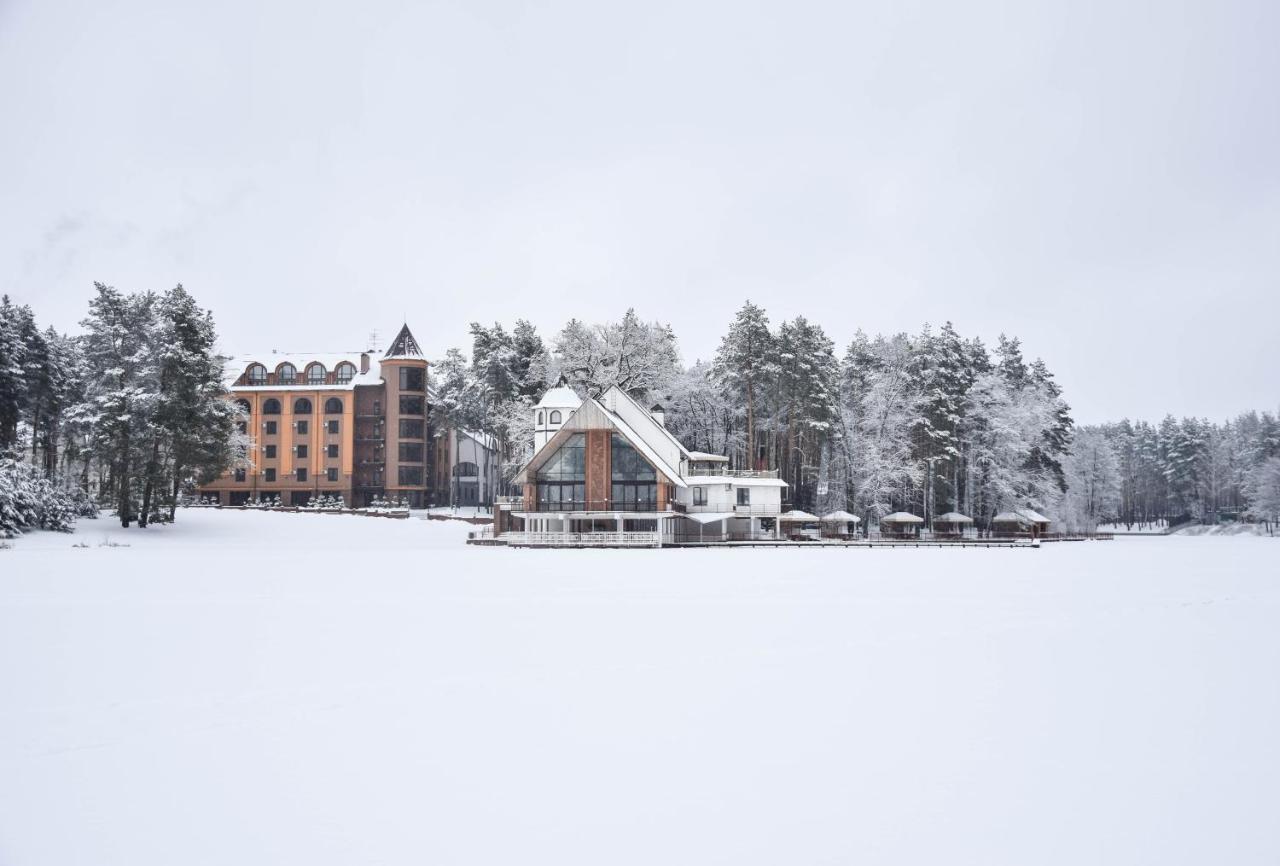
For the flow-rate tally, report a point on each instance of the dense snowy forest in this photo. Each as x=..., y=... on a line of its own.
x=930, y=422
x=127, y=413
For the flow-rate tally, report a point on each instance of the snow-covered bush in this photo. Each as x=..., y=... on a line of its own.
x=29, y=500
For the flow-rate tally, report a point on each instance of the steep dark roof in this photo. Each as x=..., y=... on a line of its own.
x=404, y=345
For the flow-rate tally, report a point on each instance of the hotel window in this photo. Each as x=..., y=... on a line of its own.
x=411, y=428
x=333, y=427
x=301, y=450
x=562, y=480
x=256, y=374
x=240, y=475
x=302, y=427
x=412, y=378
x=333, y=406
x=286, y=374
x=302, y=406
x=315, y=374
x=269, y=428
x=411, y=405
x=269, y=451
x=271, y=407
x=268, y=475
x=411, y=452
x=331, y=474
x=410, y=475
x=744, y=495
x=345, y=372
x=699, y=496
x=302, y=474
x=331, y=450
x=635, y=483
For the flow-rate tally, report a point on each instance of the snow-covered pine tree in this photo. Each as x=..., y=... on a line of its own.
x=13, y=371
x=196, y=425
x=745, y=368
x=123, y=395
x=808, y=391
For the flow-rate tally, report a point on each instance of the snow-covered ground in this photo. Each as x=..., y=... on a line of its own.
x=257, y=688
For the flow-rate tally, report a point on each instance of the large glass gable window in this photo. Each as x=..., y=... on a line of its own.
x=635, y=483
x=562, y=480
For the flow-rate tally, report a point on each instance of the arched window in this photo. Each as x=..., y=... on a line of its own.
x=256, y=374
x=315, y=374
x=345, y=372
x=555, y=416
x=286, y=374
x=271, y=407
x=466, y=469
x=302, y=406
x=542, y=417
x=333, y=406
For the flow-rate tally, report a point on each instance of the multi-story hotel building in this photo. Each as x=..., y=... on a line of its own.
x=332, y=424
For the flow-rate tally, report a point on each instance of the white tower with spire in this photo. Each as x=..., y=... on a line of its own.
x=552, y=411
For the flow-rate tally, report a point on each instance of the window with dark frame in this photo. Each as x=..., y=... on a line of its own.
x=635, y=482
x=269, y=427
x=302, y=473
x=303, y=427
x=269, y=451
x=412, y=428
x=699, y=496
x=240, y=475
x=331, y=450
x=410, y=475
x=411, y=452
x=333, y=427
x=412, y=378
x=411, y=405
x=331, y=474
x=744, y=495
x=301, y=450
x=269, y=475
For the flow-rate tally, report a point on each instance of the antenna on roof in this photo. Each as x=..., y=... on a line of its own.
x=373, y=339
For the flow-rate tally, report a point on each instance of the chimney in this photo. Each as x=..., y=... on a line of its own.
x=659, y=414
x=364, y=362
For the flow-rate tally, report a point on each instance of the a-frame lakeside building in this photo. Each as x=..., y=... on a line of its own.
x=607, y=472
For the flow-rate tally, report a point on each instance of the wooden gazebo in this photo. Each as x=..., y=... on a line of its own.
x=1020, y=524
x=901, y=524
x=840, y=524
x=953, y=524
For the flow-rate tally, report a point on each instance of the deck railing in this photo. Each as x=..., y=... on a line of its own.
x=582, y=539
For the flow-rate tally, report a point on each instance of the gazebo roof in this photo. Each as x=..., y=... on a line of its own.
x=798, y=515
x=841, y=517
x=901, y=517
x=1033, y=516
x=953, y=517
x=1011, y=517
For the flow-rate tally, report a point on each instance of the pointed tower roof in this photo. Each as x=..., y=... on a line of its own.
x=404, y=345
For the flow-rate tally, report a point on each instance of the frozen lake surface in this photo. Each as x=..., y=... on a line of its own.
x=255, y=688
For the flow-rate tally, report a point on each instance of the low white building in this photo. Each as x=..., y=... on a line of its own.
x=606, y=471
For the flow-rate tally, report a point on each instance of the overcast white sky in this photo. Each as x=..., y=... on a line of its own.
x=1100, y=178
